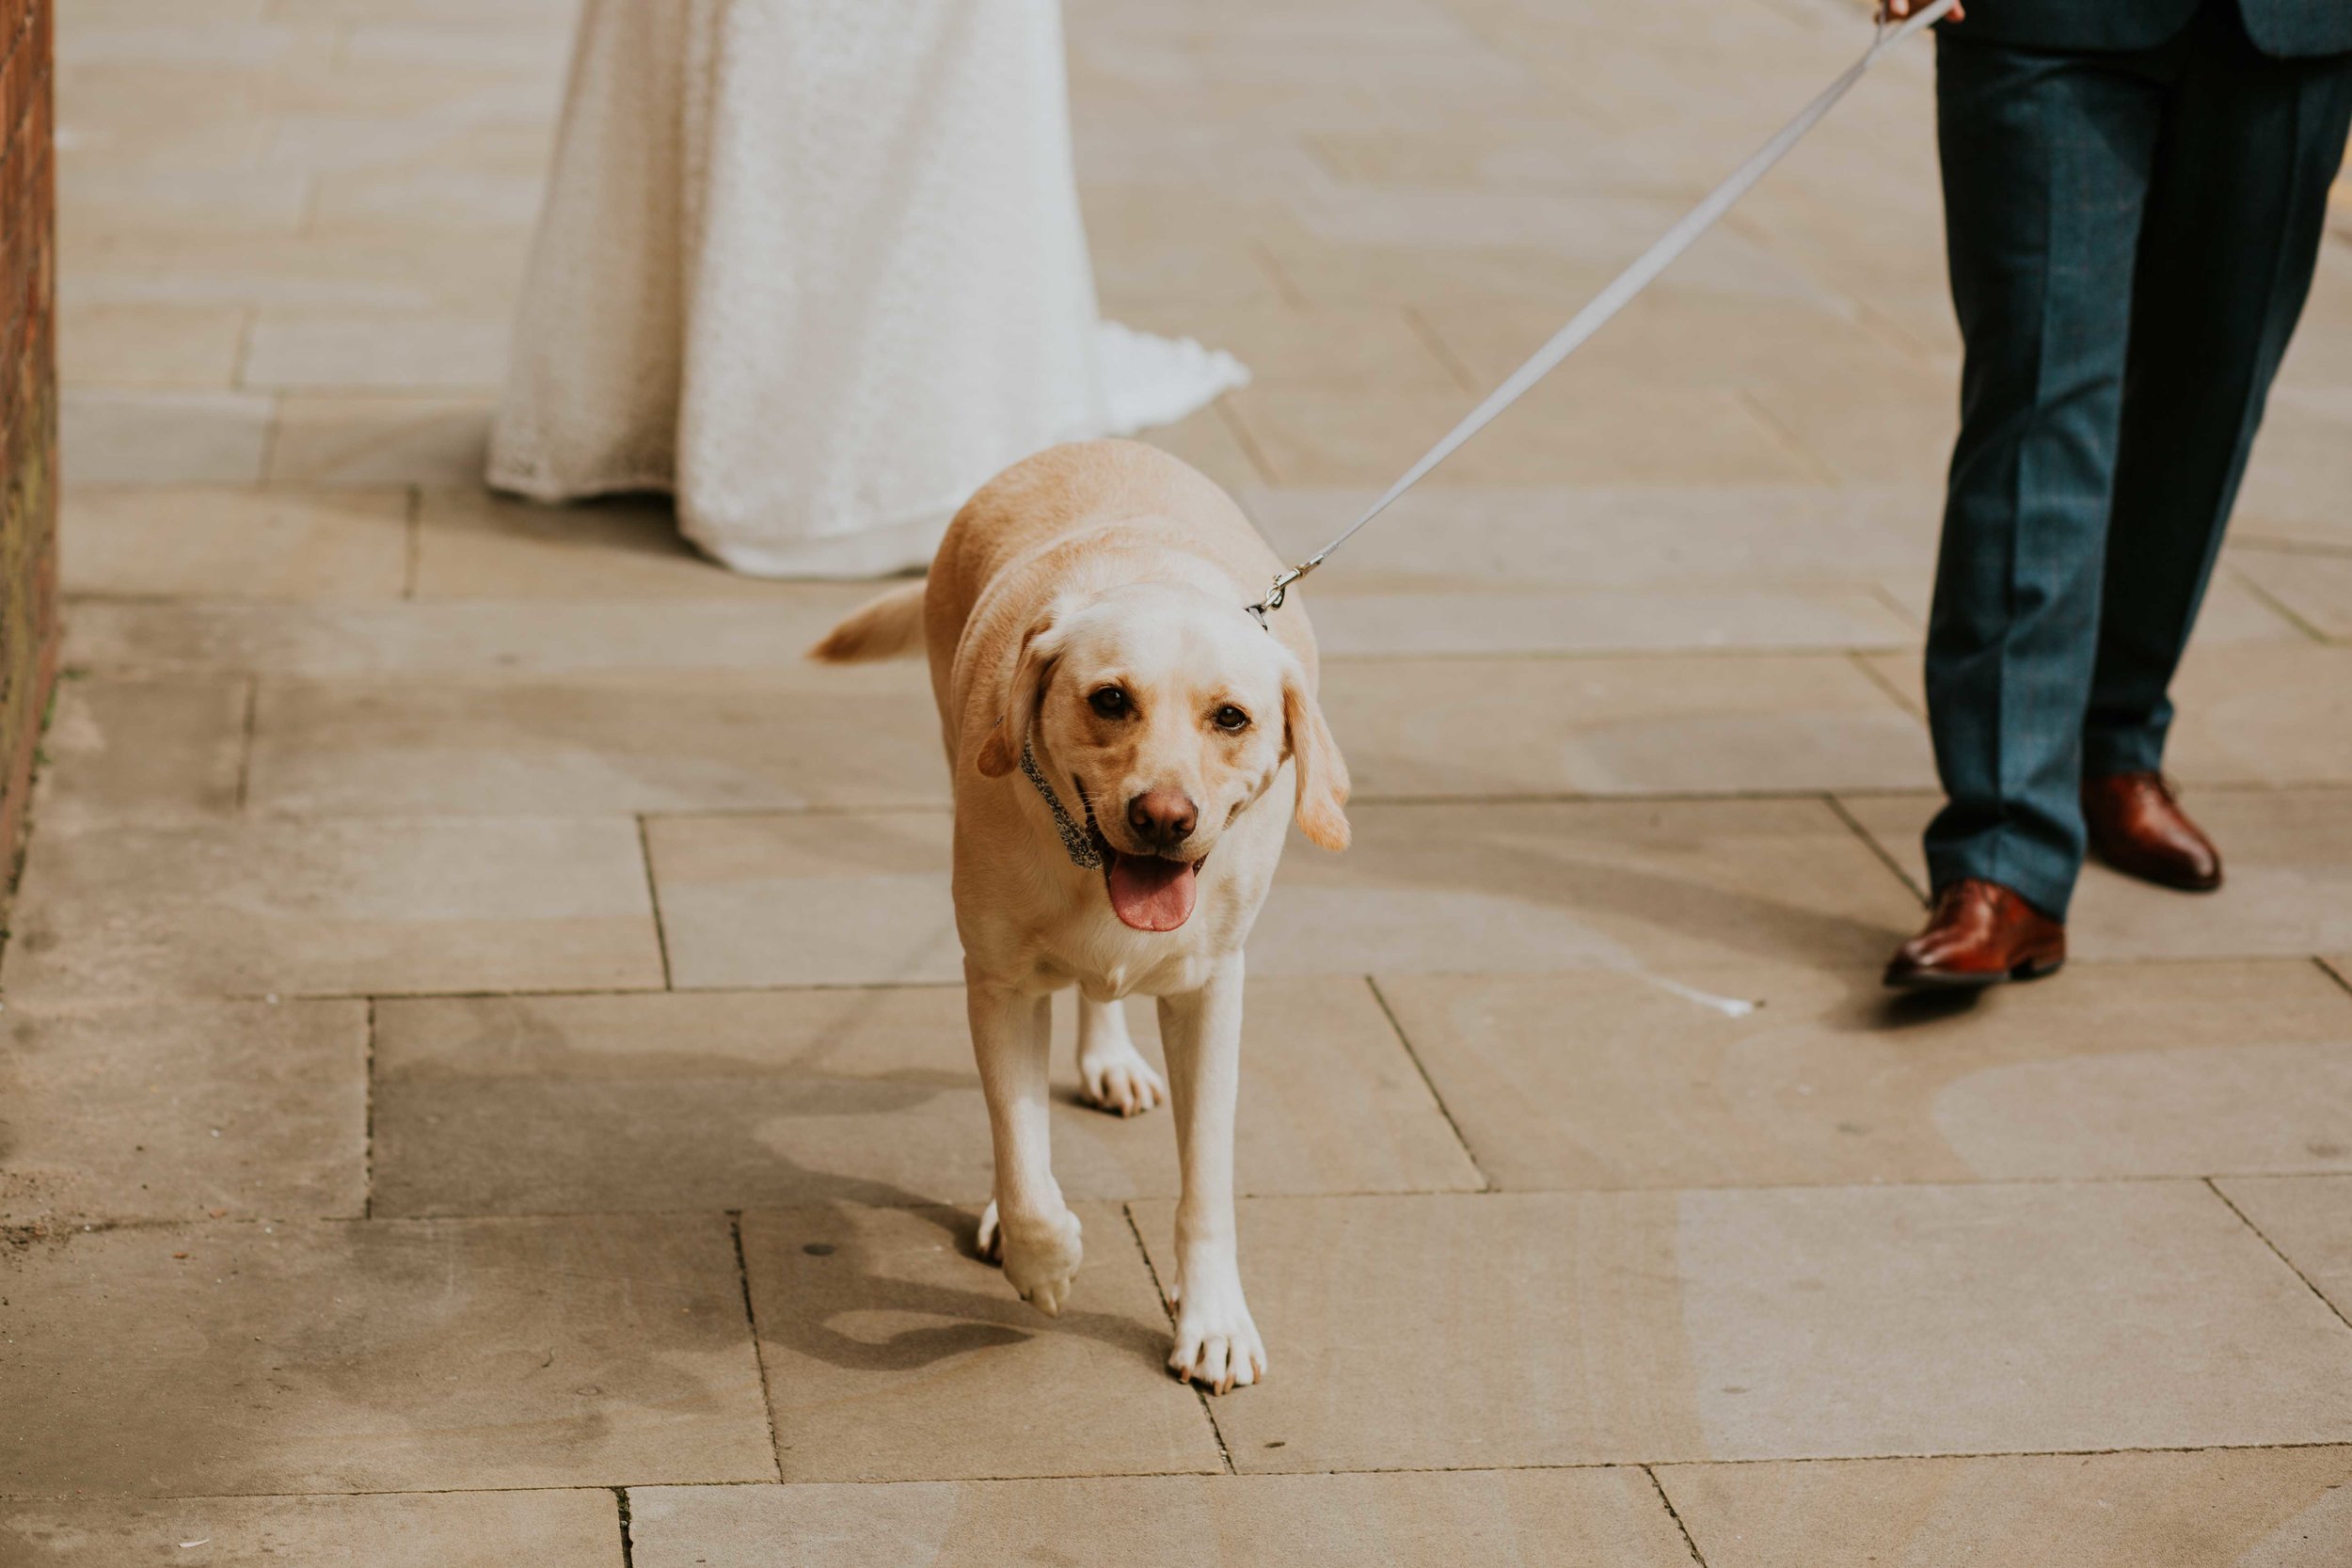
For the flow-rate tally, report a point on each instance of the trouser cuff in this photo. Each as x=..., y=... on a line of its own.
x=2047, y=887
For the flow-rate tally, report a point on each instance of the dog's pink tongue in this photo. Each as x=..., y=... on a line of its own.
x=1151, y=894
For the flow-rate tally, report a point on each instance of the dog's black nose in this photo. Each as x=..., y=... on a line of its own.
x=1163, y=818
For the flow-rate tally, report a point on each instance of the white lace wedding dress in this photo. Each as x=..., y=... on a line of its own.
x=816, y=268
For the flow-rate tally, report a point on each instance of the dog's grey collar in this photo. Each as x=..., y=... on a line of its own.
x=1077, y=841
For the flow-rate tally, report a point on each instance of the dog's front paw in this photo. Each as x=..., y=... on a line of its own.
x=1040, y=1254
x=1216, y=1343
x=1121, y=1081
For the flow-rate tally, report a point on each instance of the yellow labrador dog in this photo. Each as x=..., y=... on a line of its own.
x=1128, y=745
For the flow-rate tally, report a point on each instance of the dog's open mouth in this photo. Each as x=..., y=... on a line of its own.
x=1149, y=892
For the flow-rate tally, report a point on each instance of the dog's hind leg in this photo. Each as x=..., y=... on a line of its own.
x=1216, y=1341
x=1112, y=1073
x=1034, y=1229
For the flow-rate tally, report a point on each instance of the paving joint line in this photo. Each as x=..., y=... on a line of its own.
x=759, y=1356
x=1887, y=596
x=2340, y=973
x=2214, y=1186
x=1435, y=344
x=1135, y=1232
x=2275, y=604
x=1892, y=333
x=367, y=1157
x=1861, y=659
x=270, y=436
x=1675, y=1513
x=1284, y=284
x=1360, y=1470
x=2275, y=546
x=1396, y=1026
x=412, y=543
x=653, y=898
x=64, y=1228
x=245, y=738
x=1239, y=430
x=1869, y=842
x=2202, y=961
x=620, y=1497
x=1789, y=442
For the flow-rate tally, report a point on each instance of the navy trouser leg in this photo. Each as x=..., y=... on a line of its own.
x=2047, y=160
x=2236, y=212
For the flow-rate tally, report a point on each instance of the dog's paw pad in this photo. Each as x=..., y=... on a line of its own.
x=987, y=1242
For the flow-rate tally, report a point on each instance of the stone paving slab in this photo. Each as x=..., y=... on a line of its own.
x=1535, y=888
x=892, y=1353
x=1423, y=243
x=2274, y=715
x=2107, y=1070
x=2288, y=854
x=757, y=1099
x=2234, y=610
x=1593, y=435
x=162, y=437
x=234, y=545
x=1893, y=428
x=485, y=190
x=1683, y=339
x=440, y=1530
x=315, y=353
x=1482, y=727
x=429, y=1355
x=862, y=900
x=1510, y=1519
x=1585, y=536
x=2309, y=1222
x=2272, y=712
x=165, y=750
x=864, y=738
x=183, y=1109
x=1762, y=1323
x=806, y=900
x=392, y=271
x=1333, y=346
x=1417, y=620
x=149, y=345
x=334, y=907
x=2295, y=492
x=373, y=441
x=2247, y=1507
x=1213, y=442
x=472, y=545
x=2316, y=588
x=470, y=640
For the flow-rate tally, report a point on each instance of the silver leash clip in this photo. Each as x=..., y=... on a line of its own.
x=1275, y=595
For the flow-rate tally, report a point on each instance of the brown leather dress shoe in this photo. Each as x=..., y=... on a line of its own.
x=2140, y=830
x=1980, y=933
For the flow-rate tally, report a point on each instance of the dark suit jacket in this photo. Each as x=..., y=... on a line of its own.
x=2287, y=28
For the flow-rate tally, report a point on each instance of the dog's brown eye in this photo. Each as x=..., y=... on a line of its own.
x=1230, y=719
x=1111, y=702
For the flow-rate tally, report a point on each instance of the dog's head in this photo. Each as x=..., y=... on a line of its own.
x=1171, y=712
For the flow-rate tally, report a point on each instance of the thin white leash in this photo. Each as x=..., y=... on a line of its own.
x=1615, y=297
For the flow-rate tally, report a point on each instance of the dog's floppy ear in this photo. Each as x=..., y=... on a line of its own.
x=1321, y=774
x=1040, y=648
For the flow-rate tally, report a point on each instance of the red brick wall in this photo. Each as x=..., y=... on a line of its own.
x=28, y=406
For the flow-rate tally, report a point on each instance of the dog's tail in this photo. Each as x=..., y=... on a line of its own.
x=889, y=628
